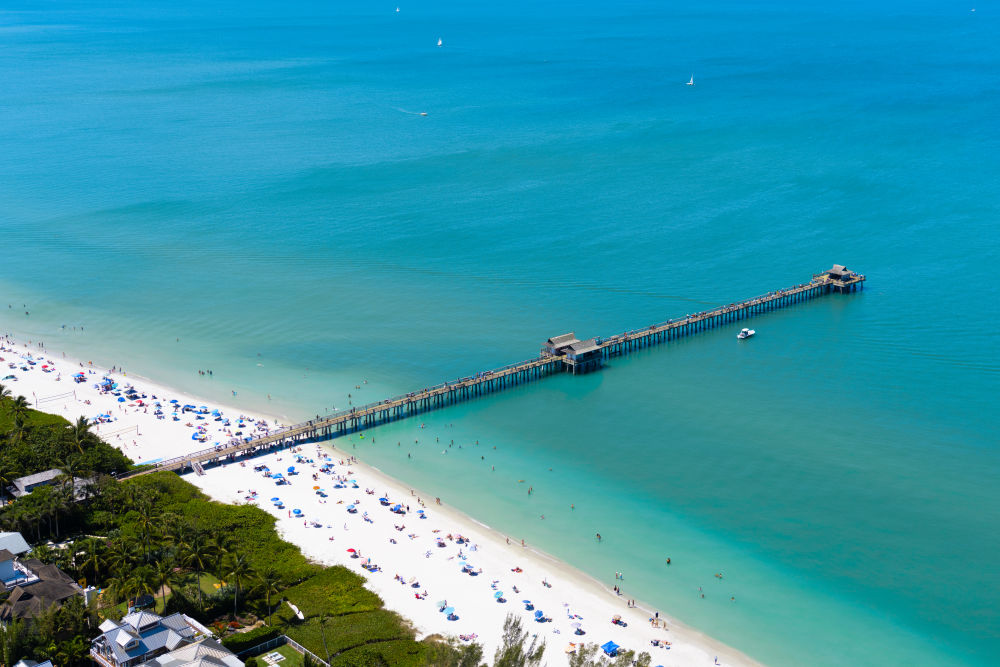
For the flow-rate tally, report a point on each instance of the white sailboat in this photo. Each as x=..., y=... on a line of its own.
x=440, y=42
x=691, y=82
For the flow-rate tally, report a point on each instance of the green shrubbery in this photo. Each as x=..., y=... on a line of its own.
x=241, y=641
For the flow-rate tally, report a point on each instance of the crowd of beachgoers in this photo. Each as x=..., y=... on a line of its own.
x=443, y=571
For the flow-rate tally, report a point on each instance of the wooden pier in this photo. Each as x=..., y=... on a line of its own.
x=559, y=354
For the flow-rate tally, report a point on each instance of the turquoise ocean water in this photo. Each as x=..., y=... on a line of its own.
x=256, y=180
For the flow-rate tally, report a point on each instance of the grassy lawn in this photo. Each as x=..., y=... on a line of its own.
x=292, y=657
x=209, y=584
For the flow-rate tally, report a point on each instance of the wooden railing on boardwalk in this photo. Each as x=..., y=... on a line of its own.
x=447, y=393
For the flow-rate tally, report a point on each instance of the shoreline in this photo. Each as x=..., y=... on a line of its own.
x=592, y=604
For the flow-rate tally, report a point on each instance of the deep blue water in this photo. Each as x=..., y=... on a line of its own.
x=256, y=180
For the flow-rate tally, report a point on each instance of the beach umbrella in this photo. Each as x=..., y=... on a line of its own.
x=174, y=400
x=412, y=579
x=296, y=511
x=121, y=399
x=315, y=488
x=383, y=500
x=610, y=648
x=351, y=551
x=275, y=500
x=449, y=610
x=441, y=603
x=526, y=601
x=538, y=613
x=575, y=625
x=291, y=468
x=350, y=507
x=498, y=594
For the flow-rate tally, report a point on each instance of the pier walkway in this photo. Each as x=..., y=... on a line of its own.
x=561, y=353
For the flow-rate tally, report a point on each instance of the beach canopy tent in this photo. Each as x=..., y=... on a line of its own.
x=610, y=648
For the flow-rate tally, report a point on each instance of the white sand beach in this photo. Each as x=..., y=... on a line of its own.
x=414, y=563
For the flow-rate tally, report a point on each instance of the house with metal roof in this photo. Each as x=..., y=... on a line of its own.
x=32, y=663
x=14, y=543
x=142, y=636
x=22, y=486
x=206, y=653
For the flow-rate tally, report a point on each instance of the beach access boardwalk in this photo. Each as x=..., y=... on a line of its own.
x=564, y=353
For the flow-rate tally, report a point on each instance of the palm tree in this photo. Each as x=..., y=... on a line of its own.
x=42, y=552
x=56, y=503
x=163, y=575
x=140, y=581
x=4, y=391
x=19, y=411
x=121, y=557
x=91, y=550
x=240, y=570
x=8, y=473
x=148, y=521
x=19, y=407
x=79, y=432
x=268, y=581
x=198, y=556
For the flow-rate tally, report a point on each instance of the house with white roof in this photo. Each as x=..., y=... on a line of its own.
x=14, y=543
x=143, y=636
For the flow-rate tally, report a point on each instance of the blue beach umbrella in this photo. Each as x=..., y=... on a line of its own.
x=121, y=399
x=296, y=511
x=275, y=500
x=538, y=613
x=449, y=610
x=174, y=400
x=498, y=594
x=291, y=468
x=526, y=601
x=350, y=507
